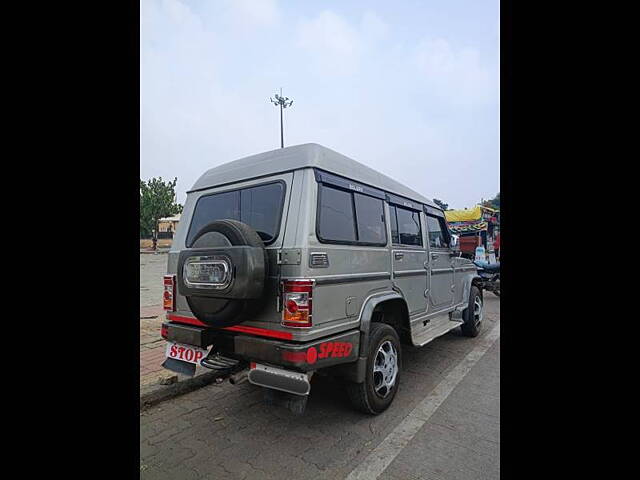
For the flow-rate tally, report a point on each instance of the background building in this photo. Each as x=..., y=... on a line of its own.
x=167, y=226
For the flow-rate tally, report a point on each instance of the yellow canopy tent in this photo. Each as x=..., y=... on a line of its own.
x=470, y=220
x=470, y=215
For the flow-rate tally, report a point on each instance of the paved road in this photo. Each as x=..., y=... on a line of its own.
x=222, y=431
x=152, y=268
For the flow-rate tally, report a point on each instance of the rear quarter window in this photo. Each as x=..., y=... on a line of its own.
x=336, y=222
x=370, y=219
x=350, y=218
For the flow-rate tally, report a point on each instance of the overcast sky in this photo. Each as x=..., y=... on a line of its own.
x=410, y=88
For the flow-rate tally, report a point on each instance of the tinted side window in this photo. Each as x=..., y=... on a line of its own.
x=409, y=227
x=437, y=235
x=370, y=219
x=214, y=207
x=336, y=215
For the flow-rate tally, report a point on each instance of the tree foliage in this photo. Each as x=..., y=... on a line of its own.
x=157, y=200
x=493, y=203
x=441, y=204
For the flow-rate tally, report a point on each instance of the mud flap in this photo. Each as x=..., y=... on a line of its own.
x=296, y=404
x=178, y=366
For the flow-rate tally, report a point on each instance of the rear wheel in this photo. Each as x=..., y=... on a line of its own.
x=384, y=361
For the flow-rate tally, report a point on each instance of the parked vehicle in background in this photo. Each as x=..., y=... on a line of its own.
x=301, y=261
x=489, y=276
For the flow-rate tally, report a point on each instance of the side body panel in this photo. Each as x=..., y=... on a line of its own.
x=354, y=272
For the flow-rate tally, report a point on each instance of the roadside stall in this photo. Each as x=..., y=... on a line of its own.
x=477, y=227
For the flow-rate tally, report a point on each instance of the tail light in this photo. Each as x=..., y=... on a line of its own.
x=297, y=303
x=169, y=294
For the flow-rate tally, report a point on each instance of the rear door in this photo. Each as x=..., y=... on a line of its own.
x=408, y=254
x=440, y=260
x=261, y=203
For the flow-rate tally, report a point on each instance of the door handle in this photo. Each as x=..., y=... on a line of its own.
x=434, y=255
x=398, y=255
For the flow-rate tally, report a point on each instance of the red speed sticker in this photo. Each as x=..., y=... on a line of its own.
x=327, y=350
x=335, y=349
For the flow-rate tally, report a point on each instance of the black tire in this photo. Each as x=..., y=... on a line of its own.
x=220, y=312
x=471, y=326
x=363, y=395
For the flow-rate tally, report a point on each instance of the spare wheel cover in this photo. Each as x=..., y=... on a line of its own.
x=224, y=312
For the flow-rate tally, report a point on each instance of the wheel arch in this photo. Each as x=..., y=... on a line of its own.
x=372, y=305
x=471, y=281
x=355, y=372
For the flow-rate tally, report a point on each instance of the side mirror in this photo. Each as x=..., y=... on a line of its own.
x=455, y=243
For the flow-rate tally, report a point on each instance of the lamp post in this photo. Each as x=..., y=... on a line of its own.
x=282, y=102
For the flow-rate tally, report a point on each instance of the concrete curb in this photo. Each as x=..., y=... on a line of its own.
x=151, y=395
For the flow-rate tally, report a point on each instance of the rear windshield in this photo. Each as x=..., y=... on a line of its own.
x=259, y=207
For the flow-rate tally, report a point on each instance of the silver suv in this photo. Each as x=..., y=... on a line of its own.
x=301, y=261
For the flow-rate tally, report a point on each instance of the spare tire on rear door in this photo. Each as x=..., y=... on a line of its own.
x=223, y=273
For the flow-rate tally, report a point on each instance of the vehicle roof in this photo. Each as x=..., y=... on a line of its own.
x=308, y=155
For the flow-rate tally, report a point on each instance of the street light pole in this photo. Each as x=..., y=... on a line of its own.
x=282, y=102
x=281, y=129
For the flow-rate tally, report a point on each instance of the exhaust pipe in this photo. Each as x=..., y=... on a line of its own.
x=238, y=378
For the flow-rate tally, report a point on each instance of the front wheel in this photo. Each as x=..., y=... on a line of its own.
x=384, y=361
x=473, y=314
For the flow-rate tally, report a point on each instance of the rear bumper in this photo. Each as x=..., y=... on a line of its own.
x=302, y=356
